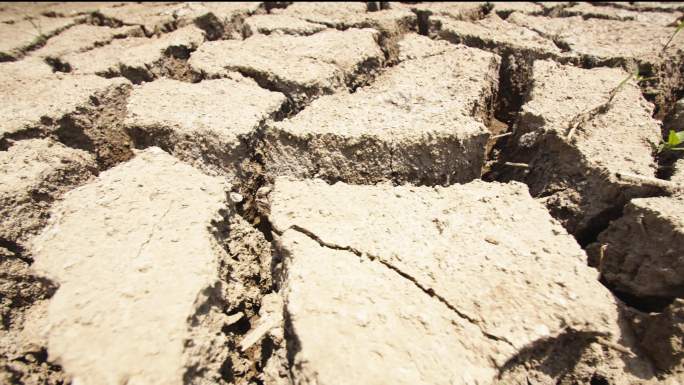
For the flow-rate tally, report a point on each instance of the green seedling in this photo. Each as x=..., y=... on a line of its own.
x=680, y=26
x=674, y=140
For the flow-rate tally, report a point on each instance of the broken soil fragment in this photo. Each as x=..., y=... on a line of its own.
x=208, y=124
x=643, y=249
x=34, y=173
x=280, y=24
x=138, y=58
x=147, y=266
x=592, y=43
x=422, y=121
x=81, y=38
x=661, y=336
x=217, y=19
x=588, y=10
x=521, y=282
x=566, y=133
x=86, y=115
x=301, y=67
x=26, y=34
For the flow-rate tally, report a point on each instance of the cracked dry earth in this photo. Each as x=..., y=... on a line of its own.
x=340, y=193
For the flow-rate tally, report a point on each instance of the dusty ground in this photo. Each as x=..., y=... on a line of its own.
x=341, y=193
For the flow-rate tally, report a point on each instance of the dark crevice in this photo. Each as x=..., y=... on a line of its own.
x=597, y=224
x=651, y=304
x=17, y=250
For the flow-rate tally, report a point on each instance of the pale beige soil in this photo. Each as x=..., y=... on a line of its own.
x=358, y=193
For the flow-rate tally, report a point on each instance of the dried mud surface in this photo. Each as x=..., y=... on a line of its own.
x=281, y=193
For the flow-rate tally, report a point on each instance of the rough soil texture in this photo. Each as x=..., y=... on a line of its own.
x=281, y=193
x=160, y=268
x=422, y=122
x=23, y=35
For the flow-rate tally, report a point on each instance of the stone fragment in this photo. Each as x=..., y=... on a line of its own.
x=139, y=59
x=301, y=67
x=208, y=124
x=130, y=290
x=586, y=156
x=484, y=257
x=33, y=174
x=422, y=121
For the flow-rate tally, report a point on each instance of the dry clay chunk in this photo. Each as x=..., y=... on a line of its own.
x=84, y=116
x=33, y=173
x=588, y=10
x=498, y=34
x=630, y=44
x=136, y=58
x=467, y=10
x=661, y=336
x=157, y=18
x=301, y=67
x=419, y=122
x=359, y=322
x=24, y=68
x=487, y=251
x=644, y=249
x=280, y=24
x=678, y=174
x=343, y=15
x=22, y=35
x=578, y=145
x=207, y=124
x=82, y=38
x=129, y=289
